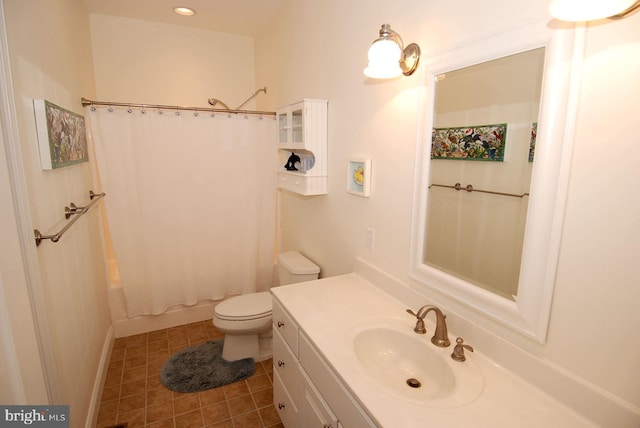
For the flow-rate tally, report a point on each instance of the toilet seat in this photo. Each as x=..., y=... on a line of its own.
x=245, y=307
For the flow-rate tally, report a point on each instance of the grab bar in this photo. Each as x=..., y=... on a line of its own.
x=68, y=212
x=470, y=188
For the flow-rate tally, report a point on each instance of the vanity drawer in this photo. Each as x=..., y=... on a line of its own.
x=284, y=324
x=339, y=399
x=285, y=365
x=283, y=403
x=315, y=412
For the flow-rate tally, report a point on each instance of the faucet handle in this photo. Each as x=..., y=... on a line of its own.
x=458, y=350
x=413, y=313
x=419, y=328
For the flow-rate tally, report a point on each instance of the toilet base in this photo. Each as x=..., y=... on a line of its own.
x=256, y=346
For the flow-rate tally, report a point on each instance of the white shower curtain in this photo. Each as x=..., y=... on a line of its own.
x=190, y=202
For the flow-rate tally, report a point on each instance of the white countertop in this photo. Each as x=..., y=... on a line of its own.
x=327, y=310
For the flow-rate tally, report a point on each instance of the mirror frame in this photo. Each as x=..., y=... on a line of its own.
x=529, y=313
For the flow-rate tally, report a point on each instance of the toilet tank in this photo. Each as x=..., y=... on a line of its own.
x=294, y=267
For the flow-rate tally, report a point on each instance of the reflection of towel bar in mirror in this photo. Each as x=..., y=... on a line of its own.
x=469, y=188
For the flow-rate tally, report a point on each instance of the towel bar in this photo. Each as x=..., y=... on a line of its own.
x=69, y=211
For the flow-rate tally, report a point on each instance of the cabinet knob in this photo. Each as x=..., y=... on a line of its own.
x=280, y=324
x=280, y=363
x=327, y=426
x=280, y=406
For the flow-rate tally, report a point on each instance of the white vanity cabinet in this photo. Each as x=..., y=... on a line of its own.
x=315, y=411
x=330, y=388
x=286, y=378
x=306, y=392
x=302, y=133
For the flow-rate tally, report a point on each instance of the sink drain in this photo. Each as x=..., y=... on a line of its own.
x=414, y=383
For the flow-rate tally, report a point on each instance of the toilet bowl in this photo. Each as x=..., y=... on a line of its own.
x=246, y=320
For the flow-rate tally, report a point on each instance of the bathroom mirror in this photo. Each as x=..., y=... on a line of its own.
x=522, y=225
x=485, y=119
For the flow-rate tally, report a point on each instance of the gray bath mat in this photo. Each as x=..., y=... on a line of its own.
x=202, y=367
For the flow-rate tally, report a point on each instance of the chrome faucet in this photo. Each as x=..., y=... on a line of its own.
x=440, y=337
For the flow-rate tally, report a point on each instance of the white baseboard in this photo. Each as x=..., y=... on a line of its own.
x=101, y=375
x=171, y=318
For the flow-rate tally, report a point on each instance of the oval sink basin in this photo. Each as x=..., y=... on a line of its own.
x=410, y=367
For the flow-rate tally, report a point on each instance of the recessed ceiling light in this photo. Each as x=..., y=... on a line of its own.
x=184, y=11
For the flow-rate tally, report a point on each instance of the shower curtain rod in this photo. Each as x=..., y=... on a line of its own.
x=86, y=102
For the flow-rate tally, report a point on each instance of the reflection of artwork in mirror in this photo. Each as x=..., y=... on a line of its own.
x=477, y=236
x=485, y=143
x=532, y=142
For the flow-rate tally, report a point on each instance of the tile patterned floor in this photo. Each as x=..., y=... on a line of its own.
x=133, y=392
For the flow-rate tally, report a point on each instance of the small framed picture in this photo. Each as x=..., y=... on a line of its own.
x=359, y=177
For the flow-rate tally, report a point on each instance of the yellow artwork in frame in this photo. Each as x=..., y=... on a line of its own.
x=359, y=177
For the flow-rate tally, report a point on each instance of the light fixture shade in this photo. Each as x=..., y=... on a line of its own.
x=184, y=11
x=588, y=10
x=384, y=60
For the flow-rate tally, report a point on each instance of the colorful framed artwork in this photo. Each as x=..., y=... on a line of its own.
x=532, y=142
x=62, y=138
x=359, y=177
x=482, y=143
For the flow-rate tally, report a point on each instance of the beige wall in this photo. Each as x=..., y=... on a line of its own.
x=50, y=55
x=152, y=63
x=595, y=317
x=318, y=49
x=21, y=368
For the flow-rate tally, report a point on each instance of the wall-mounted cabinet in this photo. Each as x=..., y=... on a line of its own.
x=302, y=147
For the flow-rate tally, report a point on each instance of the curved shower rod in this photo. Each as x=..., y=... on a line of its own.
x=86, y=102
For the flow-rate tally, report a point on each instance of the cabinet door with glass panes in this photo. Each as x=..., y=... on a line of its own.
x=303, y=125
x=291, y=126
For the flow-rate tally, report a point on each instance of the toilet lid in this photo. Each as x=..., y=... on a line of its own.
x=245, y=307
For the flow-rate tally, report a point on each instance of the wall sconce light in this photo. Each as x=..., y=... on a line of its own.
x=590, y=10
x=388, y=57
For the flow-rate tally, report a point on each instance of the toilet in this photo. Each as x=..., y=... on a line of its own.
x=246, y=320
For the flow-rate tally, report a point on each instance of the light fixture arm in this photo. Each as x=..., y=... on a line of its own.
x=387, y=33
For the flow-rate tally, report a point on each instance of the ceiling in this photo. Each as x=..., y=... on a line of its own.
x=243, y=17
